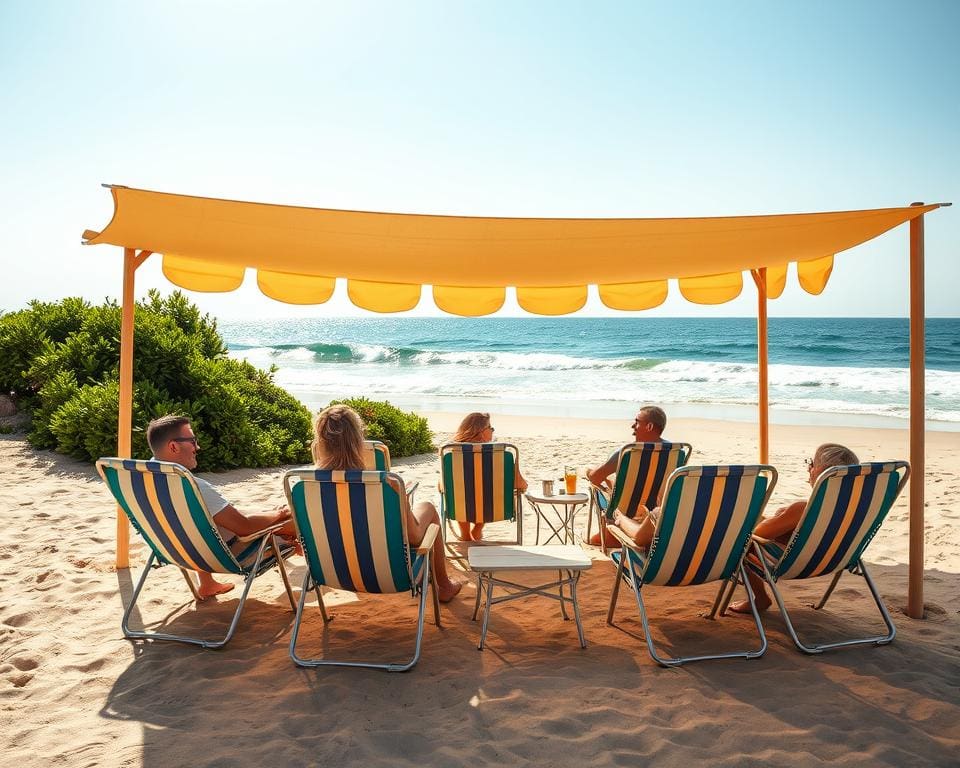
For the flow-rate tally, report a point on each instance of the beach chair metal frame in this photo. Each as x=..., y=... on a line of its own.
x=634, y=564
x=654, y=463
x=798, y=561
x=377, y=456
x=416, y=581
x=448, y=495
x=153, y=515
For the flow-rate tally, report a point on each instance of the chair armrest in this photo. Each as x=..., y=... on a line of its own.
x=260, y=534
x=622, y=537
x=428, y=539
x=761, y=540
x=412, y=488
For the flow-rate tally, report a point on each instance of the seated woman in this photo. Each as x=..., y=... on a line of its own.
x=781, y=525
x=338, y=444
x=476, y=428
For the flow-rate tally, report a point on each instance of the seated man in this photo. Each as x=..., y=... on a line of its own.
x=647, y=427
x=171, y=438
x=781, y=525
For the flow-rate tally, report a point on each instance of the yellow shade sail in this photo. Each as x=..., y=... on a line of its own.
x=387, y=257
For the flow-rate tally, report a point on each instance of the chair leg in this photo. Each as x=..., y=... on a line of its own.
x=575, y=577
x=678, y=660
x=826, y=595
x=616, y=585
x=436, y=598
x=133, y=634
x=193, y=587
x=283, y=571
x=389, y=666
x=732, y=580
x=821, y=647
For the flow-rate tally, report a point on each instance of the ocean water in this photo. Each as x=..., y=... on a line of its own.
x=822, y=370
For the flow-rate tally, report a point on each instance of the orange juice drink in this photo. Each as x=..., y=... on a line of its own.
x=570, y=479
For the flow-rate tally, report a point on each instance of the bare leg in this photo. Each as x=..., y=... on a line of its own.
x=477, y=532
x=209, y=586
x=418, y=521
x=464, y=531
x=759, y=595
x=641, y=531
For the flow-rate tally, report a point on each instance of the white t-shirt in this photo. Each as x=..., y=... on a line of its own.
x=214, y=502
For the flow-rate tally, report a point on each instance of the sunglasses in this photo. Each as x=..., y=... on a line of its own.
x=184, y=440
x=809, y=463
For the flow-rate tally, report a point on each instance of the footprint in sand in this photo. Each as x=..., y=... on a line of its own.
x=25, y=663
x=19, y=620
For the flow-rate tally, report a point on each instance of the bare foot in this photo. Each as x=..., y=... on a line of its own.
x=744, y=605
x=446, y=592
x=465, y=534
x=213, y=588
x=477, y=532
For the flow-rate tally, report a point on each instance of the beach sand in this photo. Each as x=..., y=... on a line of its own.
x=74, y=692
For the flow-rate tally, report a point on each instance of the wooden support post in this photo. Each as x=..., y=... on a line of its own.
x=125, y=416
x=763, y=379
x=917, y=419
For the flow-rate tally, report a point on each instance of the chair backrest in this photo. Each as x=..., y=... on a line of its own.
x=705, y=522
x=641, y=470
x=164, y=505
x=353, y=528
x=845, y=510
x=376, y=456
x=478, y=481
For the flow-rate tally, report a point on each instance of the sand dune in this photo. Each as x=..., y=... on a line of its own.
x=75, y=693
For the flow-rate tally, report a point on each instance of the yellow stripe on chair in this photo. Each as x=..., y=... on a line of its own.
x=709, y=523
x=688, y=498
x=315, y=516
x=126, y=486
x=856, y=492
x=179, y=499
x=346, y=532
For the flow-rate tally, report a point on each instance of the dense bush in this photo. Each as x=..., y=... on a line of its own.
x=61, y=362
x=405, y=434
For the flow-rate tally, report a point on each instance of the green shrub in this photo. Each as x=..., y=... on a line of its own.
x=62, y=361
x=405, y=434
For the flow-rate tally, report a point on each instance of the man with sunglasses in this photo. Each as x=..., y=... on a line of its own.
x=647, y=427
x=171, y=438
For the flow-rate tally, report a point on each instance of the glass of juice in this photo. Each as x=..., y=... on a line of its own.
x=570, y=479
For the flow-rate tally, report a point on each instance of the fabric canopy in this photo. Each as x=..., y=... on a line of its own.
x=298, y=253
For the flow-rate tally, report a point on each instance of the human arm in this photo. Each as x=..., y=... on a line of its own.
x=519, y=481
x=783, y=523
x=243, y=525
x=599, y=475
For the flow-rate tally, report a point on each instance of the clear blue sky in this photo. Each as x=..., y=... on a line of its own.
x=495, y=108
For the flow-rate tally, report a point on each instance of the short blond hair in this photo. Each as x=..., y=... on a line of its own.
x=833, y=455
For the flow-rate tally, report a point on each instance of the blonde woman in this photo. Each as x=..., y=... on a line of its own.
x=338, y=444
x=780, y=526
x=476, y=428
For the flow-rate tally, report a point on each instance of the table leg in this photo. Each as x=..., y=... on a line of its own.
x=476, y=605
x=486, y=611
x=576, y=607
x=563, y=603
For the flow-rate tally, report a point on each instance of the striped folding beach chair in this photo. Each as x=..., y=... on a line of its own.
x=702, y=532
x=165, y=507
x=478, y=485
x=353, y=528
x=641, y=470
x=846, y=508
x=376, y=455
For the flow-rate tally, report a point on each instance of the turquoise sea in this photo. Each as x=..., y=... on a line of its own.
x=822, y=370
